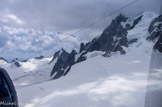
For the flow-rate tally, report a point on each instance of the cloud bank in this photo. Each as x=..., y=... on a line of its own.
x=18, y=18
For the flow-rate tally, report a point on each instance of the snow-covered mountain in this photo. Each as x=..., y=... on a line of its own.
x=117, y=37
x=3, y=60
x=29, y=72
x=111, y=70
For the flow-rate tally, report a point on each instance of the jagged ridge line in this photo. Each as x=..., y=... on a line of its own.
x=104, y=17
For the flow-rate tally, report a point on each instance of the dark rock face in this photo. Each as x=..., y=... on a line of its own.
x=40, y=57
x=64, y=63
x=60, y=54
x=82, y=57
x=55, y=56
x=24, y=60
x=16, y=62
x=70, y=61
x=111, y=40
x=136, y=21
x=81, y=47
x=113, y=37
x=158, y=45
x=1, y=58
x=155, y=31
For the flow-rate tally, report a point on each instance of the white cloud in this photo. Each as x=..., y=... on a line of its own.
x=57, y=15
x=12, y=18
x=25, y=43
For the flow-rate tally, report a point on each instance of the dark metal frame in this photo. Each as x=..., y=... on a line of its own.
x=11, y=87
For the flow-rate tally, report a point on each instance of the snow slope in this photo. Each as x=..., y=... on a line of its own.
x=117, y=81
x=31, y=72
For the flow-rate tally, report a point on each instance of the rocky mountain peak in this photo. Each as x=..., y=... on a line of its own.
x=39, y=57
x=15, y=62
x=3, y=59
x=64, y=62
x=113, y=39
x=155, y=30
x=61, y=54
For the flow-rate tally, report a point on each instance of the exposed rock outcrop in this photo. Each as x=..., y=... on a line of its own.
x=39, y=57
x=63, y=64
x=113, y=38
x=155, y=31
x=60, y=54
x=15, y=62
x=1, y=58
